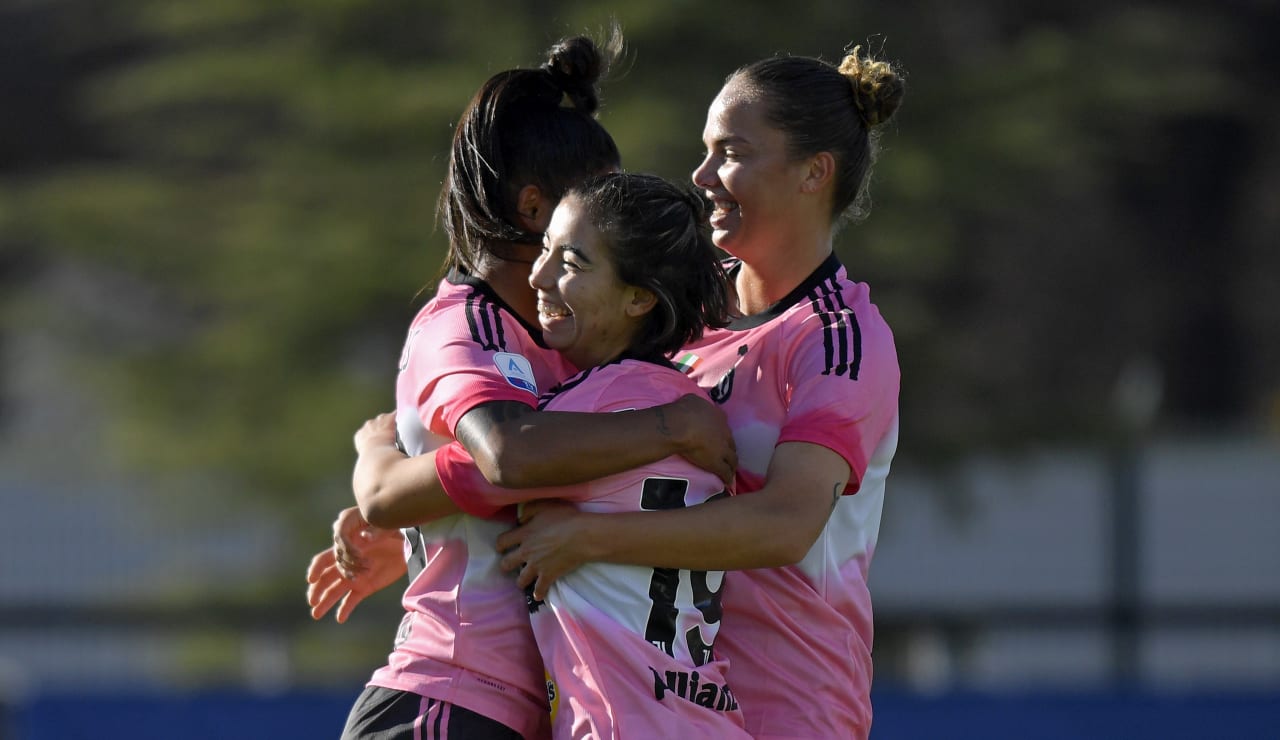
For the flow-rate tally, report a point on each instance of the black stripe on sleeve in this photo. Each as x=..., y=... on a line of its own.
x=485, y=323
x=841, y=335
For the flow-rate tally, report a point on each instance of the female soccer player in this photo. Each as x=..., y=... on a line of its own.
x=627, y=275
x=465, y=664
x=809, y=378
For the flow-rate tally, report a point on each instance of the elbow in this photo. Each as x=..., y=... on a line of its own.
x=375, y=513
x=508, y=465
x=379, y=517
x=785, y=550
x=793, y=539
x=377, y=510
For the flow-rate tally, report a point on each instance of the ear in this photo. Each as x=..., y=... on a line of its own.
x=533, y=209
x=639, y=301
x=821, y=171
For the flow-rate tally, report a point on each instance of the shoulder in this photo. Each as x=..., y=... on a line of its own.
x=837, y=326
x=467, y=314
x=618, y=386
x=662, y=383
x=833, y=299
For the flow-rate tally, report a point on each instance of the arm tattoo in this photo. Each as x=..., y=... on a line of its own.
x=835, y=496
x=663, y=429
x=481, y=421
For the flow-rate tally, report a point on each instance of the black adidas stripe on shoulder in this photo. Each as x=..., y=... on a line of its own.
x=841, y=335
x=485, y=322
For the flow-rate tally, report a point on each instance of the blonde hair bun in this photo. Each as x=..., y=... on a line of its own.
x=877, y=86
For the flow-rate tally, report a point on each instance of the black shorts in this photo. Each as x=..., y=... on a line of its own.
x=387, y=714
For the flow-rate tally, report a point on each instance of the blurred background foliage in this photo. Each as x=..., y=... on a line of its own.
x=222, y=213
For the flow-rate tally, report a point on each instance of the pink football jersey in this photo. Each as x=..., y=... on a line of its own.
x=629, y=650
x=818, y=367
x=465, y=637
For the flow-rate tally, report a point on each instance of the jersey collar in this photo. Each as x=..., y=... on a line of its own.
x=827, y=270
x=456, y=276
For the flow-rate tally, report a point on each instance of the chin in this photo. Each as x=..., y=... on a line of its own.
x=728, y=243
x=723, y=239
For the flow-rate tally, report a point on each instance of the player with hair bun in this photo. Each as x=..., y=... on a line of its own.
x=464, y=662
x=808, y=375
x=628, y=274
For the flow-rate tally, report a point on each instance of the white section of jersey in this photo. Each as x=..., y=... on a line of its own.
x=630, y=650
x=465, y=636
x=818, y=367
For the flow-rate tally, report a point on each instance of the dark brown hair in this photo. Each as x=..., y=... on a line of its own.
x=524, y=127
x=658, y=238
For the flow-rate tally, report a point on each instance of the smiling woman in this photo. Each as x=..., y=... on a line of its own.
x=807, y=373
x=624, y=269
x=808, y=376
x=586, y=313
x=627, y=275
x=464, y=661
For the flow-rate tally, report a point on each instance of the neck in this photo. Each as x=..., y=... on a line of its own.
x=766, y=280
x=509, y=278
x=597, y=356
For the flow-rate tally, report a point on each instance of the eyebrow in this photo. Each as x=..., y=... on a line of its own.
x=728, y=141
x=576, y=251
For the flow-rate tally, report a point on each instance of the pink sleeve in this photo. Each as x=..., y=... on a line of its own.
x=464, y=484
x=467, y=487
x=847, y=412
x=451, y=374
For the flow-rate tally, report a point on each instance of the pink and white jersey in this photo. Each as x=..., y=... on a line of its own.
x=629, y=651
x=465, y=636
x=819, y=367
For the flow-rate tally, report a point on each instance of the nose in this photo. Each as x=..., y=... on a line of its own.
x=538, y=274
x=704, y=176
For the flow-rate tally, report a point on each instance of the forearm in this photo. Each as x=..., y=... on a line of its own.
x=462, y=481
x=753, y=530
x=563, y=448
x=397, y=491
x=772, y=527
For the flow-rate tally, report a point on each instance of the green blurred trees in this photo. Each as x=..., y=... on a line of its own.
x=250, y=187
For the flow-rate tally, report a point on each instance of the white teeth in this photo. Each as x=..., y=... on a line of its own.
x=723, y=207
x=552, y=312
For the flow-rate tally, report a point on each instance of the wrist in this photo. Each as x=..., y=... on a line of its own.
x=378, y=447
x=592, y=531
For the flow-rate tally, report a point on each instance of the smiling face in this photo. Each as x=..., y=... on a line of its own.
x=747, y=173
x=586, y=312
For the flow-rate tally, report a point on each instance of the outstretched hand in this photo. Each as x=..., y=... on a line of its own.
x=546, y=545
x=362, y=561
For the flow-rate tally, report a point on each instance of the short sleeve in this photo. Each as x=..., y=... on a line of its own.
x=471, y=492
x=846, y=407
x=464, y=484
x=447, y=373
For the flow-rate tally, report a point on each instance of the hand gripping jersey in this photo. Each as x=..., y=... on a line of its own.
x=465, y=636
x=819, y=367
x=628, y=650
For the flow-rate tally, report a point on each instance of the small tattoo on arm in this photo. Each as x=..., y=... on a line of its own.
x=480, y=422
x=835, y=496
x=663, y=429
